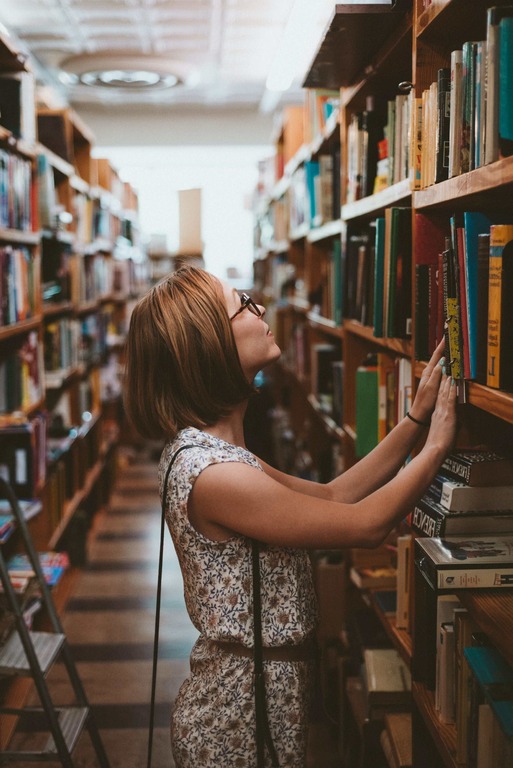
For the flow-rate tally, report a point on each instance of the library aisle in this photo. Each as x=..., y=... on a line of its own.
x=109, y=622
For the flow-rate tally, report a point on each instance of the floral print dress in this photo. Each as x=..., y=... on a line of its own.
x=213, y=721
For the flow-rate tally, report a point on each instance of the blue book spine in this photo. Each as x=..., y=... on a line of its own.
x=312, y=171
x=506, y=78
x=495, y=677
x=475, y=224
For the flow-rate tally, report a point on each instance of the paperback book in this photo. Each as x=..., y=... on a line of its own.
x=466, y=562
x=458, y=497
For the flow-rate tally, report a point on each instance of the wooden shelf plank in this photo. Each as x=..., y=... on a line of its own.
x=325, y=231
x=443, y=735
x=354, y=33
x=399, y=193
x=399, y=346
x=19, y=236
x=493, y=610
x=458, y=190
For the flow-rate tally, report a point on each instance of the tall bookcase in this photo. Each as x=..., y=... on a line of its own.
x=71, y=262
x=374, y=53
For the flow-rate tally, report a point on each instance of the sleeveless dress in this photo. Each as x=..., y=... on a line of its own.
x=213, y=721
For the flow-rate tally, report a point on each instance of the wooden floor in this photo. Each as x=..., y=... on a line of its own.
x=109, y=622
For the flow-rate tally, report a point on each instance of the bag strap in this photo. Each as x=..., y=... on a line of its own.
x=157, y=608
x=263, y=733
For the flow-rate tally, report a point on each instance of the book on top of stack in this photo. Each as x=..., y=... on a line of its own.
x=472, y=494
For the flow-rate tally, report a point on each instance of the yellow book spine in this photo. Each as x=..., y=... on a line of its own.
x=500, y=235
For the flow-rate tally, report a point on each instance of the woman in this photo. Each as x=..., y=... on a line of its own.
x=194, y=348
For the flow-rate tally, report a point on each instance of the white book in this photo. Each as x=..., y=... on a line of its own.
x=445, y=605
x=458, y=497
x=447, y=669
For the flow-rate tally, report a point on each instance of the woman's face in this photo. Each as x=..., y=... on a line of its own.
x=255, y=342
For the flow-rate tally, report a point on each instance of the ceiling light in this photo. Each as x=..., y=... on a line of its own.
x=125, y=78
x=126, y=71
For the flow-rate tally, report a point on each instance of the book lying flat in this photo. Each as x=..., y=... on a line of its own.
x=387, y=678
x=373, y=578
x=53, y=565
x=459, y=497
x=466, y=562
x=475, y=467
x=429, y=518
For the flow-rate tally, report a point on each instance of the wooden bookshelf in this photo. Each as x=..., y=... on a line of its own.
x=60, y=162
x=367, y=52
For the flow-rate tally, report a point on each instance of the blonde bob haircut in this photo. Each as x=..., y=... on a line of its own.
x=182, y=365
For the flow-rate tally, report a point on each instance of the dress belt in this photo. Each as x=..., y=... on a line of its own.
x=303, y=652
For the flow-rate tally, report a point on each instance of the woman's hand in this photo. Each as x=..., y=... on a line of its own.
x=429, y=385
x=442, y=431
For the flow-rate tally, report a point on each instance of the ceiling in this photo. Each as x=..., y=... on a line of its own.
x=222, y=50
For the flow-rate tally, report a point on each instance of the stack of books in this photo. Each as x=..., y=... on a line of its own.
x=472, y=494
x=53, y=565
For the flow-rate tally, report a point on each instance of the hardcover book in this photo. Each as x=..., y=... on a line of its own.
x=466, y=562
x=387, y=678
x=429, y=518
x=458, y=497
x=493, y=684
x=493, y=19
x=500, y=320
x=475, y=224
x=479, y=467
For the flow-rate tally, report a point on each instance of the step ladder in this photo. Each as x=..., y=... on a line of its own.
x=32, y=654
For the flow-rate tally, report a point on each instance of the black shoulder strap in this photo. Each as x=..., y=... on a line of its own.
x=157, y=608
x=264, y=738
x=263, y=733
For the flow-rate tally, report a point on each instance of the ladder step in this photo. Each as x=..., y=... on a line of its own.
x=72, y=721
x=13, y=660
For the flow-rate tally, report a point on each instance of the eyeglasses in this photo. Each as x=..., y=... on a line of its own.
x=247, y=303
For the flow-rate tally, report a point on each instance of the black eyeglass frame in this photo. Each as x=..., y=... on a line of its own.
x=247, y=303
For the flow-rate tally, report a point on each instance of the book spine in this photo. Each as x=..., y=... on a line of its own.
x=492, y=87
x=467, y=101
x=506, y=86
x=427, y=520
x=500, y=236
x=483, y=260
x=492, y=577
x=442, y=132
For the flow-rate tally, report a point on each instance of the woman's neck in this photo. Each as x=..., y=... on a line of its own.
x=230, y=428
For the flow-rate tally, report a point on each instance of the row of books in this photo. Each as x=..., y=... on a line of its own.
x=320, y=106
x=463, y=271
x=23, y=448
x=377, y=275
x=472, y=494
x=29, y=508
x=15, y=192
x=378, y=147
x=383, y=396
x=469, y=677
x=21, y=571
x=18, y=105
x=22, y=375
x=465, y=119
x=17, y=284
